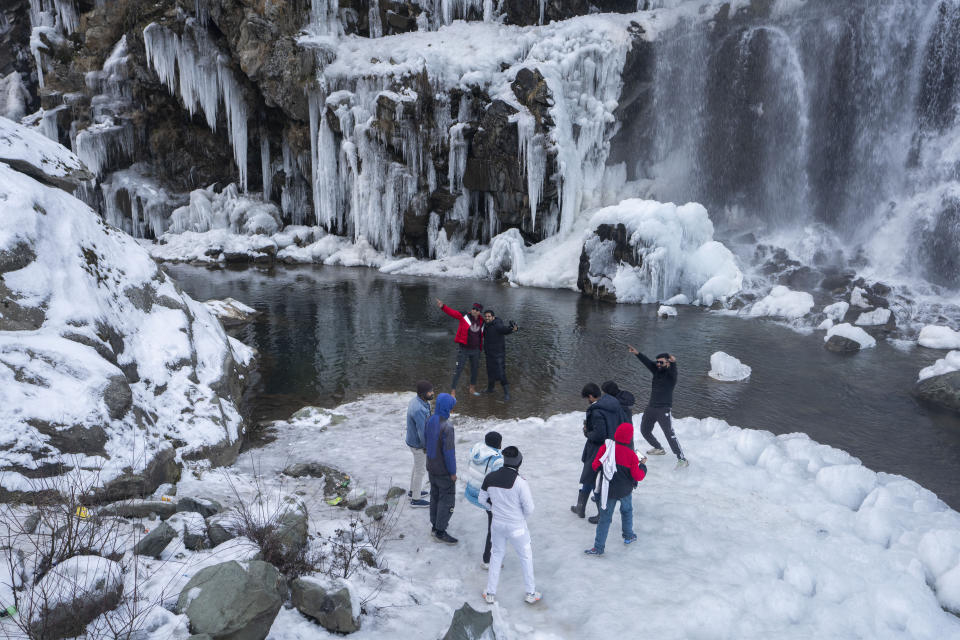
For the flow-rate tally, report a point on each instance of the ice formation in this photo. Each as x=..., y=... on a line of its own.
x=850, y=332
x=13, y=96
x=781, y=302
x=228, y=210
x=675, y=249
x=939, y=337
x=947, y=364
x=666, y=311
x=873, y=318
x=191, y=66
x=726, y=368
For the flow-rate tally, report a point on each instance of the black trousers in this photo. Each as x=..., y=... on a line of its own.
x=463, y=356
x=486, y=547
x=496, y=370
x=654, y=415
x=443, y=497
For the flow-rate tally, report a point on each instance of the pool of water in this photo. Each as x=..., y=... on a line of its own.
x=328, y=335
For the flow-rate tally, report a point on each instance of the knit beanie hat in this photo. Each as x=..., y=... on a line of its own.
x=493, y=439
x=423, y=388
x=512, y=457
x=610, y=388
x=478, y=306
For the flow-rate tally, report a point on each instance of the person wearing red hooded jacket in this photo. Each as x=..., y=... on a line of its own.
x=621, y=475
x=469, y=341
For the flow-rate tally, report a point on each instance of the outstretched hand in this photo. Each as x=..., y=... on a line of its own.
x=439, y=304
x=632, y=350
x=673, y=358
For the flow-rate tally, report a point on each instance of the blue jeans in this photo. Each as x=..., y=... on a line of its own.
x=606, y=516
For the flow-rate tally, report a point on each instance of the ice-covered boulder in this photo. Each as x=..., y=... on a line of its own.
x=106, y=361
x=647, y=251
x=32, y=153
x=72, y=594
x=844, y=337
x=782, y=302
x=942, y=390
x=726, y=368
x=666, y=311
x=939, y=337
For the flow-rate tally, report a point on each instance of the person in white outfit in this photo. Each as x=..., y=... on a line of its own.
x=511, y=503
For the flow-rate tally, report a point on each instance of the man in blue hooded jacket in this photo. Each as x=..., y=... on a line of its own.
x=441, y=467
x=599, y=425
x=418, y=411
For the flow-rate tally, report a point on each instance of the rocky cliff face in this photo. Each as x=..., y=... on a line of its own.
x=162, y=98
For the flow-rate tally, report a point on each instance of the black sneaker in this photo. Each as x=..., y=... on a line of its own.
x=443, y=536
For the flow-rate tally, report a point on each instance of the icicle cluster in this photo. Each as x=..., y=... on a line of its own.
x=192, y=65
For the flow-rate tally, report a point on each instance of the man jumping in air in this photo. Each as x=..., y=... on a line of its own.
x=658, y=409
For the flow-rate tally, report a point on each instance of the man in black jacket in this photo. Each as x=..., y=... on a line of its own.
x=602, y=419
x=658, y=410
x=495, y=350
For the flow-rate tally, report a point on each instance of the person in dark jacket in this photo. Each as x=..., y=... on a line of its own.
x=495, y=351
x=659, y=408
x=629, y=470
x=602, y=418
x=469, y=341
x=441, y=467
x=625, y=398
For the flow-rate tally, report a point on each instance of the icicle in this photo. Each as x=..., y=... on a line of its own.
x=100, y=145
x=457, y=161
x=236, y=108
x=323, y=17
x=376, y=24
x=532, y=158
x=266, y=168
x=493, y=222
x=542, y=4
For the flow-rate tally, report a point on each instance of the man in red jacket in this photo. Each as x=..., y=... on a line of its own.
x=469, y=341
x=620, y=485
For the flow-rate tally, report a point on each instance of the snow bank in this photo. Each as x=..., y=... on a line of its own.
x=726, y=368
x=106, y=361
x=847, y=330
x=947, y=364
x=781, y=302
x=674, y=247
x=799, y=538
x=939, y=337
x=31, y=152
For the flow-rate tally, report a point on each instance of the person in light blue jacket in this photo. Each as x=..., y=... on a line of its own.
x=485, y=457
x=418, y=411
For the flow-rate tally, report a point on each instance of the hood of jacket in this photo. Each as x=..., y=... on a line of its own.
x=445, y=403
x=608, y=403
x=482, y=452
x=624, y=434
x=626, y=398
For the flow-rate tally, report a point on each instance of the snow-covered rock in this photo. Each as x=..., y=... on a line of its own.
x=106, y=361
x=231, y=312
x=726, y=368
x=32, y=153
x=836, y=311
x=947, y=364
x=939, y=337
x=647, y=251
x=874, y=318
x=72, y=594
x=666, y=311
x=851, y=333
x=781, y=302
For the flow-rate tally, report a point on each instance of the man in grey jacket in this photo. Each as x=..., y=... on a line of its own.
x=418, y=411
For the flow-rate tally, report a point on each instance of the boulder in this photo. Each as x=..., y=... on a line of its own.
x=192, y=527
x=335, y=482
x=292, y=530
x=221, y=528
x=942, y=391
x=162, y=469
x=16, y=257
x=233, y=601
x=204, y=506
x=118, y=397
x=609, y=244
x=468, y=624
x=395, y=493
x=332, y=609
x=376, y=511
x=73, y=593
x=156, y=541
x=357, y=503
x=139, y=509
x=839, y=344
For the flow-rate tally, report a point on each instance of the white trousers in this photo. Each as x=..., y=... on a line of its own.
x=416, y=474
x=519, y=538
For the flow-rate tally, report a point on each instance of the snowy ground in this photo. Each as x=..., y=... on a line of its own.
x=762, y=536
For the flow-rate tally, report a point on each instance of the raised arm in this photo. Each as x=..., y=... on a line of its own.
x=453, y=313
x=672, y=369
x=647, y=362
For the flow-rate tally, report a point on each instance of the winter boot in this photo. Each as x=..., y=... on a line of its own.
x=581, y=507
x=506, y=393
x=594, y=519
x=489, y=389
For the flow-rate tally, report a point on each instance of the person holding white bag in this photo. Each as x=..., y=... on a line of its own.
x=621, y=471
x=509, y=496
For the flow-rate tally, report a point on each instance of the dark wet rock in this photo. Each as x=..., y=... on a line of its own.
x=233, y=601
x=162, y=469
x=606, y=248
x=357, y=503
x=220, y=529
x=332, y=609
x=941, y=391
x=839, y=344
x=468, y=623
x=335, y=482
x=16, y=257
x=156, y=541
x=118, y=397
x=88, y=440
